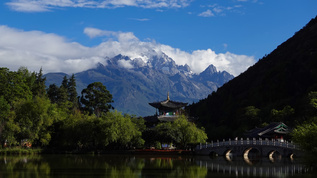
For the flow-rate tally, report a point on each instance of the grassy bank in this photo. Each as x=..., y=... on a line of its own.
x=20, y=151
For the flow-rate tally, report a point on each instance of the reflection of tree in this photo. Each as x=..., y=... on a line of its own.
x=123, y=171
x=166, y=163
x=23, y=166
x=128, y=167
x=97, y=166
x=173, y=167
x=189, y=171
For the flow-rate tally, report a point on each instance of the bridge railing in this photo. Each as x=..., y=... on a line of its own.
x=247, y=141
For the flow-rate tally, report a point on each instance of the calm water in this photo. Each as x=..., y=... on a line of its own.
x=145, y=166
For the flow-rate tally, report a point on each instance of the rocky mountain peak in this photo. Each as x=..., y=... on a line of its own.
x=160, y=62
x=211, y=69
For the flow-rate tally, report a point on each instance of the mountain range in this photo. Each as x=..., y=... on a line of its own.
x=136, y=82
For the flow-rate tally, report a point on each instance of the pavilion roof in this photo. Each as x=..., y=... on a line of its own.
x=168, y=104
x=275, y=127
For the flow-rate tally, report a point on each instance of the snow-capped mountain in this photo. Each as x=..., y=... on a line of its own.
x=136, y=82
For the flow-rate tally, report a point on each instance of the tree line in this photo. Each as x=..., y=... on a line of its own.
x=56, y=118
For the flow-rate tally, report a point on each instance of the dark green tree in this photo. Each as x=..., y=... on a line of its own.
x=14, y=86
x=39, y=88
x=306, y=134
x=52, y=93
x=164, y=133
x=65, y=95
x=285, y=115
x=34, y=117
x=4, y=118
x=111, y=130
x=312, y=108
x=62, y=93
x=64, y=82
x=121, y=130
x=252, y=116
x=181, y=132
x=187, y=133
x=96, y=99
x=72, y=92
x=30, y=77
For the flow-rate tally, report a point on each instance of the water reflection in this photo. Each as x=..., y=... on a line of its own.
x=37, y=166
x=254, y=166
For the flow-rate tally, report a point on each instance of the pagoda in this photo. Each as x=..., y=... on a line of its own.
x=168, y=110
x=275, y=130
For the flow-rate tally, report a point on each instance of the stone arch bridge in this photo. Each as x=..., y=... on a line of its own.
x=249, y=147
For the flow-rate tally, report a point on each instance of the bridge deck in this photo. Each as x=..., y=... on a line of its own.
x=247, y=141
x=243, y=146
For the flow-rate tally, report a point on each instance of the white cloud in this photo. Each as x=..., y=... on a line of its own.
x=46, y=5
x=25, y=6
x=125, y=64
x=35, y=49
x=219, y=10
x=207, y=13
x=94, y=32
x=141, y=20
x=198, y=60
x=121, y=36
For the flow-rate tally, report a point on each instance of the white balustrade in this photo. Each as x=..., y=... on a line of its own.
x=247, y=141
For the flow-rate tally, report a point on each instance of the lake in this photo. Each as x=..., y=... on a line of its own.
x=49, y=166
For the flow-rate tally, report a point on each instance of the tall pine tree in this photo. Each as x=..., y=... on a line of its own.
x=39, y=84
x=62, y=92
x=53, y=93
x=72, y=92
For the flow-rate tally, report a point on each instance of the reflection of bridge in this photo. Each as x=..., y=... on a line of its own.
x=259, y=168
x=247, y=148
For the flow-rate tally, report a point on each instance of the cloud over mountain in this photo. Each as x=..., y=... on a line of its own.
x=35, y=49
x=129, y=45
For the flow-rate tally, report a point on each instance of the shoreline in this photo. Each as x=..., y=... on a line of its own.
x=31, y=151
x=163, y=152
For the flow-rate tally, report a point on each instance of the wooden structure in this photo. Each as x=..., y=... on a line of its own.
x=168, y=110
x=276, y=130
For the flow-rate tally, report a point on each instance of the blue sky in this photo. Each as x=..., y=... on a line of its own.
x=73, y=35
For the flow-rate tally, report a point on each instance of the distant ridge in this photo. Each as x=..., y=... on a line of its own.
x=284, y=77
x=134, y=82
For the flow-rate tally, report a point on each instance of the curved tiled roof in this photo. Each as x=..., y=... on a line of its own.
x=168, y=104
x=275, y=127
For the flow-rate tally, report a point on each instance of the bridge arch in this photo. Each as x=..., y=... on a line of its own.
x=292, y=156
x=249, y=148
x=228, y=154
x=274, y=155
x=251, y=152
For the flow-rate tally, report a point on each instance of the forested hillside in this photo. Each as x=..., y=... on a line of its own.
x=276, y=88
